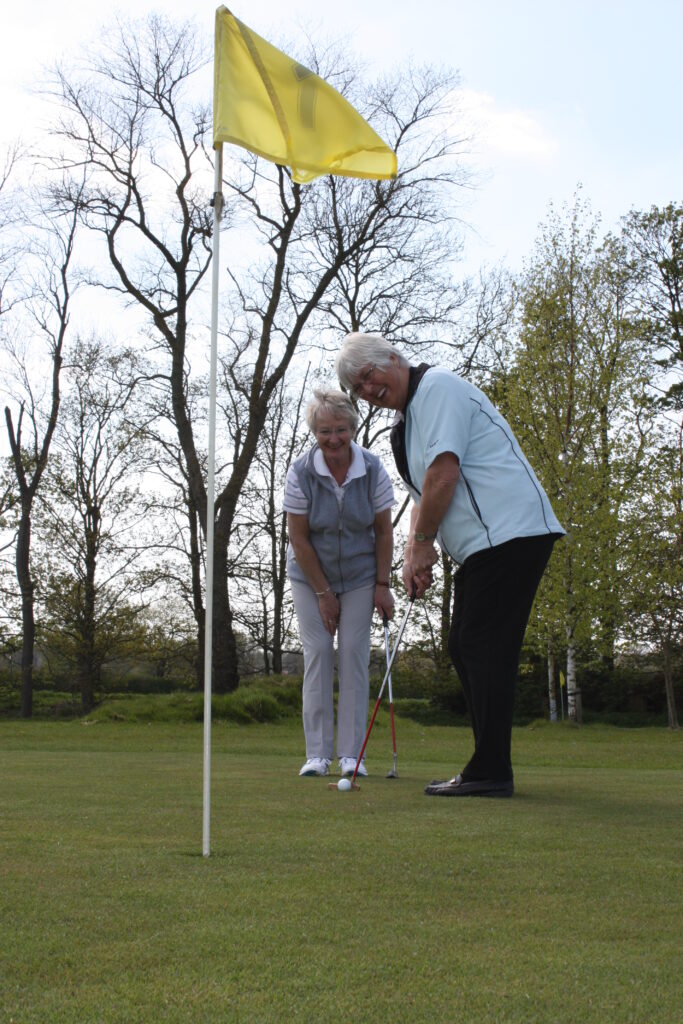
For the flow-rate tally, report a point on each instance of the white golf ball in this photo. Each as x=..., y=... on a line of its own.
x=344, y=785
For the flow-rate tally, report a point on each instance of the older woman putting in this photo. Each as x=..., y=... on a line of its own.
x=338, y=500
x=474, y=493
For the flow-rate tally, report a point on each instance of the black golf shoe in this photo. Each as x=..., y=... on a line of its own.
x=471, y=787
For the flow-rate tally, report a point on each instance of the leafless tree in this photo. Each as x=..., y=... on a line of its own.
x=38, y=334
x=96, y=525
x=10, y=231
x=263, y=612
x=129, y=121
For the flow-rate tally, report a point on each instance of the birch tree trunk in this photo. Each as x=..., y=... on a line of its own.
x=574, y=709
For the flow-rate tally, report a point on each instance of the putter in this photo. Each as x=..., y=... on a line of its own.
x=393, y=773
x=387, y=674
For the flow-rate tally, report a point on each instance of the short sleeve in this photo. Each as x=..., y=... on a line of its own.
x=295, y=500
x=444, y=420
x=384, y=491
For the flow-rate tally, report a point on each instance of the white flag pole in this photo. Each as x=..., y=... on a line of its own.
x=210, y=499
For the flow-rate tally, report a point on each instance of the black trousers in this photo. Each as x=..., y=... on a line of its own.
x=494, y=592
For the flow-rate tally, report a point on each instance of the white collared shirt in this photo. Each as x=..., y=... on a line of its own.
x=498, y=496
x=295, y=500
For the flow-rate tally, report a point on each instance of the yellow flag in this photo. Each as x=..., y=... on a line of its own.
x=562, y=680
x=274, y=107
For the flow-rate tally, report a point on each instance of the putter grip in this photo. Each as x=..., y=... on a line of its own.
x=413, y=594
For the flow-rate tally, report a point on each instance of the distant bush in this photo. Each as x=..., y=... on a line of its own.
x=626, y=688
x=248, y=706
x=628, y=696
x=632, y=690
x=426, y=712
x=261, y=699
x=532, y=692
x=143, y=682
x=46, y=703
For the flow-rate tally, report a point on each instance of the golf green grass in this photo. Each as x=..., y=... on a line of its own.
x=560, y=905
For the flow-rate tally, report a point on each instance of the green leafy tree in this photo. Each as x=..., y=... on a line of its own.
x=655, y=241
x=574, y=397
x=654, y=546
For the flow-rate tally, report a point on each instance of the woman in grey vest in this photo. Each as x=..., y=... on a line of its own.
x=338, y=500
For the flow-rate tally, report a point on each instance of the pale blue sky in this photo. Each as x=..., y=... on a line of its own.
x=586, y=92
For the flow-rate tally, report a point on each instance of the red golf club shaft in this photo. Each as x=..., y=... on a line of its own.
x=384, y=682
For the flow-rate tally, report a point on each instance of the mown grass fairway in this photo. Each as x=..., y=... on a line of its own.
x=561, y=905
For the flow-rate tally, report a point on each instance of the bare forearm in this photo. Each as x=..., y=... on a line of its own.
x=414, y=512
x=309, y=564
x=437, y=492
x=384, y=552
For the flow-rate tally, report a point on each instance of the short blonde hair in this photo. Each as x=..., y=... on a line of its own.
x=334, y=403
x=361, y=350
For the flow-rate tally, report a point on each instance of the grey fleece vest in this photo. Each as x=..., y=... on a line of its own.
x=343, y=539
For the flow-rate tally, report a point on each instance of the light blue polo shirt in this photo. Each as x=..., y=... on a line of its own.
x=498, y=496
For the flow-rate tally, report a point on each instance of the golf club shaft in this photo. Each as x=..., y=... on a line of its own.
x=384, y=681
x=391, y=695
x=393, y=727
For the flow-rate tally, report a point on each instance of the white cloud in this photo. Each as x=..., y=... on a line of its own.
x=506, y=131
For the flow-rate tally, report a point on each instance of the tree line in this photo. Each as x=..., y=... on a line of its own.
x=103, y=493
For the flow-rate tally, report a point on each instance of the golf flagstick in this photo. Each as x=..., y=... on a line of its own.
x=393, y=773
x=384, y=681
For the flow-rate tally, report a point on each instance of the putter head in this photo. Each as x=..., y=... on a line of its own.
x=392, y=774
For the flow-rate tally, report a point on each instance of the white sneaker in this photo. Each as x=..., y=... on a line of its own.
x=316, y=766
x=347, y=766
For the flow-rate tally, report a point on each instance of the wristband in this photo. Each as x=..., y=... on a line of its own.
x=381, y=583
x=321, y=593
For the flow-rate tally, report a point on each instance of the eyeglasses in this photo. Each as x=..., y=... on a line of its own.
x=363, y=380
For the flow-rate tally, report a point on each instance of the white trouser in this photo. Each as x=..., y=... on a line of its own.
x=353, y=658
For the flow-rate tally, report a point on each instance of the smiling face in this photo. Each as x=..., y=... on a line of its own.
x=386, y=387
x=333, y=435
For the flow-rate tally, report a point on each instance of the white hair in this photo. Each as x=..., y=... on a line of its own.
x=334, y=403
x=361, y=350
